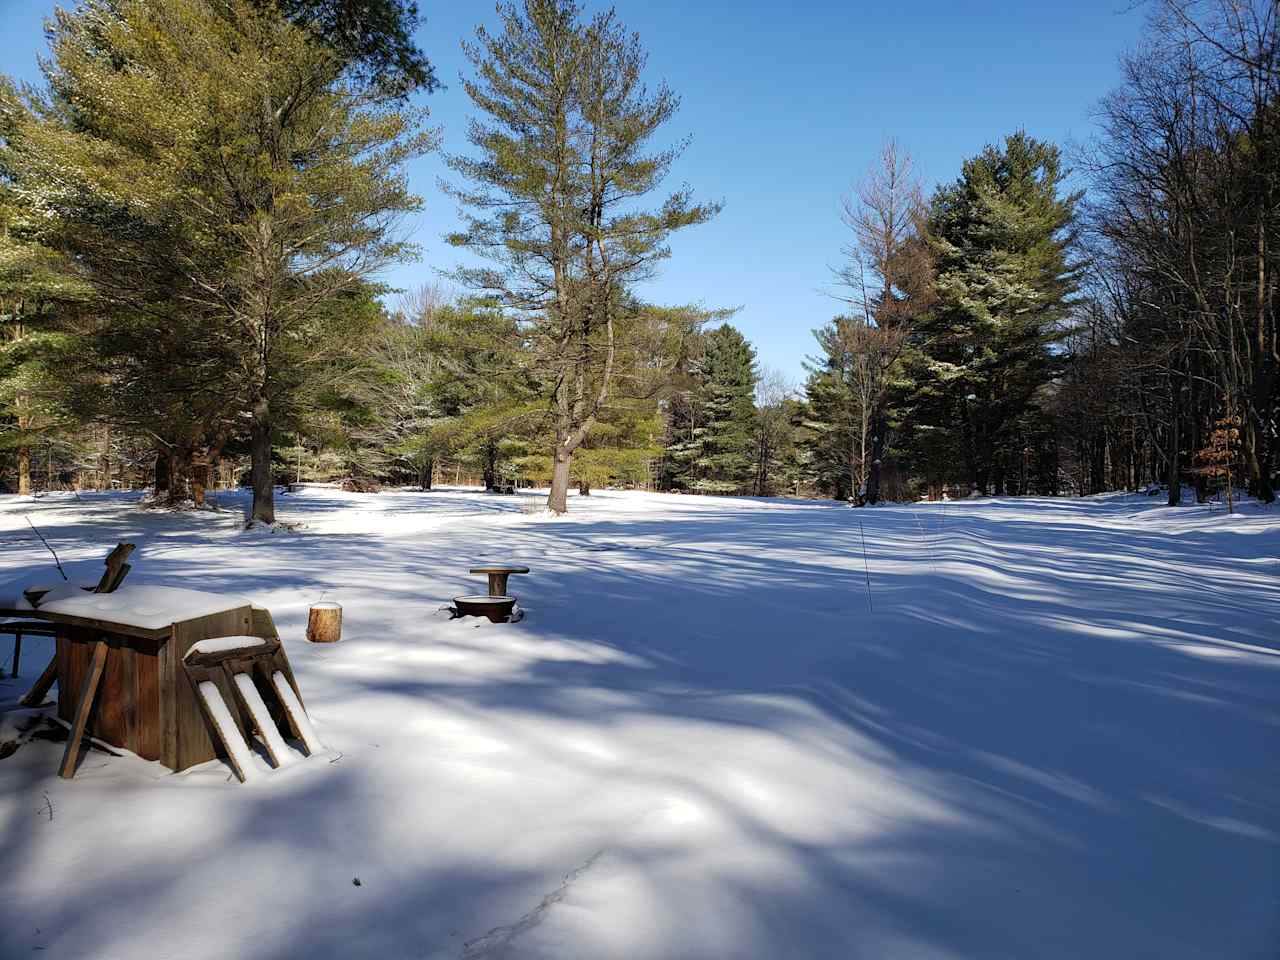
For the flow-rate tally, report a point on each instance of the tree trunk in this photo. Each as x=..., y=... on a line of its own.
x=1259, y=478
x=877, y=455
x=324, y=623
x=179, y=474
x=558, y=498
x=24, y=470
x=105, y=465
x=490, y=466
x=427, y=472
x=584, y=488
x=264, y=492
x=162, y=472
x=199, y=478
x=1175, y=466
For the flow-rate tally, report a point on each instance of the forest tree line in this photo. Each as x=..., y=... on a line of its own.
x=196, y=208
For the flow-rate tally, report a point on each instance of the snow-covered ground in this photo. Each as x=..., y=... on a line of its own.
x=1013, y=729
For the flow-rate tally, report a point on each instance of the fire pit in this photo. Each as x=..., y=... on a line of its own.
x=497, y=609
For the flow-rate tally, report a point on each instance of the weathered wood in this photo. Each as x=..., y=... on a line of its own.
x=324, y=623
x=72, y=753
x=259, y=719
x=24, y=628
x=35, y=696
x=194, y=742
x=117, y=568
x=100, y=625
x=168, y=704
x=264, y=626
x=118, y=579
x=207, y=709
x=267, y=649
x=113, y=719
x=300, y=724
x=137, y=695
x=497, y=609
x=498, y=577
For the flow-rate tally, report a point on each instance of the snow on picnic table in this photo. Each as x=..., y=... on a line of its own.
x=1056, y=736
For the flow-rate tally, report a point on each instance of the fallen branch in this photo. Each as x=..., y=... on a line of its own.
x=46, y=543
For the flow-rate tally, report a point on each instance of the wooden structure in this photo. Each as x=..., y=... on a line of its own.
x=117, y=568
x=324, y=623
x=246, y=667
x=498, y=574
x=20, y=629
x=497, y=609
x=124, y=678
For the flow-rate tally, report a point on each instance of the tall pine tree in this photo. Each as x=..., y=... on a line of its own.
x=1002, y=237
x=711, y=430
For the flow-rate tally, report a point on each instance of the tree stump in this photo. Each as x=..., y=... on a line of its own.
x=324, y=623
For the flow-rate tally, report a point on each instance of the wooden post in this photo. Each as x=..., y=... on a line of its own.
x=324, y=623
x=35, y=696
x=83, y=708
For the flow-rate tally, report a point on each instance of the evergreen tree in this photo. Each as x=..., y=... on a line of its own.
x=222, y=177
x=563, y=160
x=846, y=390
x=39, y=293
x=711, y=430
x=1001, y=237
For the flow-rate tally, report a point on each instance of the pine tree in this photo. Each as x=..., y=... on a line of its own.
x=39, y=294
x=1002, y=237
x=221, y=177
x=711, y=431
x=563, y=159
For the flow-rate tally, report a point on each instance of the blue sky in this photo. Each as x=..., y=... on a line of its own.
x=787, y=107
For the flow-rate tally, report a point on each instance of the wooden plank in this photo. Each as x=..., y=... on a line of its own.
x=207, y=709
x=254, y=706
x=83, y=709
x=283, y=719
x=297, y=714
x=194, y=740
x=96, y=625
x=118, y=578
x=267, y=649
x=149, y=715
x=264, y=626
x=117, y=568
x=167, y=690
x=35, y=696
x=111, y=719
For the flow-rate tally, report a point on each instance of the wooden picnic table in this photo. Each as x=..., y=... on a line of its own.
x=498, y=574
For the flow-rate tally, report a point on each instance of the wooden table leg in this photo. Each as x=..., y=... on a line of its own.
x=17, y=652
x=498, y=584
x=35, y=696
x=83, y=709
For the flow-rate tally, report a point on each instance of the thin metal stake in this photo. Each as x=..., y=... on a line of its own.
x=866, y=566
